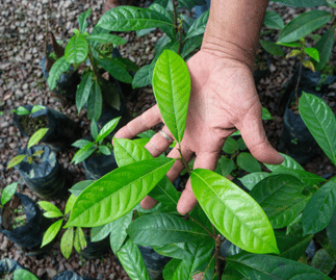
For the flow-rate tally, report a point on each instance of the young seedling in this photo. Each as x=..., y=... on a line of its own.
x=87, y=148
x=72, y=237
x=36, y=137
x=22, y=111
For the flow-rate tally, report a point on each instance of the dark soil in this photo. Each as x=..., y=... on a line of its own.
x=31, y=125
x=13, y=215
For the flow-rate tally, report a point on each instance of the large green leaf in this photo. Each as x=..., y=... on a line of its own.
x=67, y=242
x=174, y=250
x=107, y=129
x=323, y=261
x=161, y=228
x=80, y=186
x=77, y=49
x=267, y=267
x=292, y=246
x=271, y=47
x=288, y=162
x=225, y=166
x=83, y=153
x=168, y=29
x=15, y=161
x=61, y=65
x=273, y=20
x=171, y=86
x=324, y=47
x=115, y=69
x=189, y=4
x=303, y=25
x=229, y=209
x=115, y=194
x=132, y=261
x=302, y=3
x=309, y=179
x=51, y=232
x=128, y=18
x=143, y=77
x=37, y=136
x=20, y=274
x=170, y=269
x=281, y=198
x=321, y=123
x=198, y=27
x=107, y=38
x=249, y=181
x=8, y=192
x=191, y=44
x=331, y=230
x=80, y=242
x=320, y=208
x=95, y=102
x=84, y=90
x=230, y=146
x=165, y=192
x=82, y=21
x=247, y=162
x=118, y=232
x=101, y=232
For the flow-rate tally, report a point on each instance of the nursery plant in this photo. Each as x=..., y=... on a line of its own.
x=87, y=148
x=34, y=139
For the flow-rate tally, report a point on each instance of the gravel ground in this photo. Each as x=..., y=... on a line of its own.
x=22, y=35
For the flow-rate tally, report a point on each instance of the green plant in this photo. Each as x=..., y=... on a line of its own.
x=19, y=274
x=22, y=111
x=90, y=49
x=87, y=148
x=36, y=137
x=7, y=193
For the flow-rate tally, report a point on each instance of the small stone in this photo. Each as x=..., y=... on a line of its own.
x=13, y=145
x=51, y=272
x=272, y=68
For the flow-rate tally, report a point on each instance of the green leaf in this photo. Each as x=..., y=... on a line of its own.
x=174, y=250
x=128, y=18
x=170, y=269
x=38, y=153
x=107, y=129
x=273, y=20
x=52, y=214
x=331, y=3
x=142, y=77
x=230, y=146
x=82, y=21
x=307, y=178
x=83, y=153
x=292, y=246
x=241, y=144
x=308, y=64
x=95, y=102
x=161, y=43
x=107, y=38
x=49, y=207
x=210, y=269
x=101, y=232
x=161, y=228
x=115, y=69
x=225, y=166
x=37, y=108
x=127, y=64
x=94, y=130
x=131, y=259
x=324, y=47
x=104, y=150
x=321, y=122
x=165, y=192
x=61, y=65
x=147, y=134
x=266, y=115
x=168, y=29
x=302, y=3
x=191, y=44
x=83, y=90
x=77, y=49
x=304, y=24
x=288, y=163
x=271, y=48
x=323, y=261
x=21, y=111
x=118, y=231
x=230, y=273
x=189, y=4
x=15, y=161
x=80, y=242
x=320, y=208
x=271, y=267
x=80, y=186
x=51, y=232
x=69, y=204
x=143, y=32
x=100, y=203
x=229, y=209
x=171, y=86
x=80, y=143
x=20, y=274
x=37, y=136
x=331, y=230
x=8, y=192
x=198, y=27
x=247, y=162
x=67, y=242
x=313, y=53
x=251, y=180
x=281, y=198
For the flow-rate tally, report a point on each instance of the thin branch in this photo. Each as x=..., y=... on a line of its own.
x=175, y=15
x=298, y=81
x=180, y=40
x=197, y=222
x=183, y=161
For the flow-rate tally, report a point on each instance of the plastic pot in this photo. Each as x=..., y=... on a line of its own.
x=295, y=139
x=29, y=236
x=70, y=275
x=45, y=176
x=62, y=132
x=98, y=166
x=95, y=250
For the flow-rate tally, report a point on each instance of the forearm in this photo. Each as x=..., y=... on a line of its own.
x=233, y=28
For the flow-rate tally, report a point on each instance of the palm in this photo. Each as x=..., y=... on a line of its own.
x=223, y=99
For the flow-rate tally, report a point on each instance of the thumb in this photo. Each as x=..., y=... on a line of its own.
x=254, y=136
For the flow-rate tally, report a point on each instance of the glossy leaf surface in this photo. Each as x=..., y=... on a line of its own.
x=83, y=153
x=324, y=47
x=95, y=102
x=225, y=166
x=191, y=44
x=61, y=65
x=288, y=162
x=302, y=3
x=228, y=208
x=171, y=86
x=82, y=21
x=106, y=37
x=198, y=27
x=8, y=192
x=247, y=162
x=271, y=47
x=51, y=232
x=37, y=136
x=80, y=186
x=107, y=129
x=230, y=146
x=115, y=69
x=83, y=91
x=273, y=20
x=77, y=49
x=250, y=180
x=115, y=194
x=20, y=274
x=118, y=232
x=142, y=77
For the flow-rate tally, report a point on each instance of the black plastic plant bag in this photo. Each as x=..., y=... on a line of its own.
x=95, y=250
x=8, y=266
x=62, y=132
x=98, y=166
x=70, y=275
x=45, y=176
x=296, y=140
x=29, y=237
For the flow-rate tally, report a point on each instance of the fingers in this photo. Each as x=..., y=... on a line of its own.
x=188, y=200
x=140, y=124
x=158, y=143
x=172, y=174
x=254, y=136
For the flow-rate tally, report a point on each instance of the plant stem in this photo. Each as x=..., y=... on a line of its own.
x=217, y=256
x=180, y=40
x=183, y=161
x=298, y=81
x=93, y=64
x=197, y=222
x=175, y=15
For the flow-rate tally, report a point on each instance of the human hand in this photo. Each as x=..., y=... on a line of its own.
x=223, y=99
